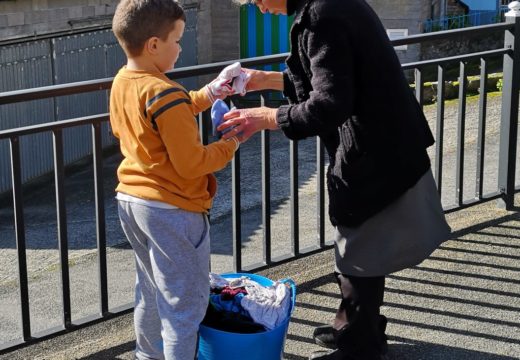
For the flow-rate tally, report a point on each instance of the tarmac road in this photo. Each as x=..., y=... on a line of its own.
x=40, y=217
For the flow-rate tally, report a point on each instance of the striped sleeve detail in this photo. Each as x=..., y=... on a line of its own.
x=162, y=94
x=168, y=106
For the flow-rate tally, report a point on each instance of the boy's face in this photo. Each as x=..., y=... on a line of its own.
x=170, y=49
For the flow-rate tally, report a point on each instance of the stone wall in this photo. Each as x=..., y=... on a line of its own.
x=21, y=18
x=464, y=45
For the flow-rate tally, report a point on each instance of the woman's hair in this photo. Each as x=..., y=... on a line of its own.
x=135, y=21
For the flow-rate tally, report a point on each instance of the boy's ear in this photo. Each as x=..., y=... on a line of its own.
x=151, y=45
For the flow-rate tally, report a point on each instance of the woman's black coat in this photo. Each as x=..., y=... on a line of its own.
x=345, y=84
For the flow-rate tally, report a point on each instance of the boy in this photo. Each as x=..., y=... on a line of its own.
x=166, y=185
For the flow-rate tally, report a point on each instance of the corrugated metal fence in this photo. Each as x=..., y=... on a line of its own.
x=55, y=61
x=60, y=60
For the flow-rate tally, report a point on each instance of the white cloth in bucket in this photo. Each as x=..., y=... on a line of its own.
x=267, y=305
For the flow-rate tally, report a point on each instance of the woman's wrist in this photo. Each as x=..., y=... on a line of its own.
x=273, y=80
x=272, y=124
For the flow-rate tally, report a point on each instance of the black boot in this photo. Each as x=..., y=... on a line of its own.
x=334, y=355
x=325, y=336
x=325, y=355
x=358, y=330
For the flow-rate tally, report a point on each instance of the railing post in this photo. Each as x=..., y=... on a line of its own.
x=509, y=120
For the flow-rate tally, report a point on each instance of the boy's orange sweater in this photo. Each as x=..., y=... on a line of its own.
x=164, y=159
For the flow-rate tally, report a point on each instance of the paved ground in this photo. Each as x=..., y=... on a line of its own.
x=462, y=303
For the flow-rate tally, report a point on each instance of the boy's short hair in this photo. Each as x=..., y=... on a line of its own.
x=135, y=21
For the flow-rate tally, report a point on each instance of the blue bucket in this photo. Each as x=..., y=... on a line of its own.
x=268, y=345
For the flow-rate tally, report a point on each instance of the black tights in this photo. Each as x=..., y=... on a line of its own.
x=361, y=327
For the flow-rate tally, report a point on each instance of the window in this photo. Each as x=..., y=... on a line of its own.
x=397, y=34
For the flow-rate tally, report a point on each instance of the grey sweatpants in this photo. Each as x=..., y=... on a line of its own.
x=172, y=252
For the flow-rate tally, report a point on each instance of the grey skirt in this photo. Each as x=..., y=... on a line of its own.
x=400, y=236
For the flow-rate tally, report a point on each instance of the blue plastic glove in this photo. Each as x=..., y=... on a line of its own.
x=218, y=109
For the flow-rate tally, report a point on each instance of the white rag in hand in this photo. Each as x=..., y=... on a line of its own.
x=231, y=80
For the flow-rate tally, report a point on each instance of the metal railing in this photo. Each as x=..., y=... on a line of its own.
x=506, y=168
x=476, y=18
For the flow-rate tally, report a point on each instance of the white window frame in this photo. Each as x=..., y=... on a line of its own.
x=394, y=34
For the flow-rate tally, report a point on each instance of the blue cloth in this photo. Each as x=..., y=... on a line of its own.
x=232, y=305
x=218, y=109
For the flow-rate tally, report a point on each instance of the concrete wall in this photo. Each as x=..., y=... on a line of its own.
x=217, y=21
x=20, y=18
x=404, y=14
x=218, y=30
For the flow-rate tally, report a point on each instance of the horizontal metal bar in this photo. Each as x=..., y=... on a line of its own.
x=212, y=68
x=440, y=35
x=44, y=92
x=59, y=330
x=283, y=259
x=196, y=70
x=465, y=57
x=40, y=37
x=188, y=71
x=473, y=202
x=50, y=126
x=106, y=83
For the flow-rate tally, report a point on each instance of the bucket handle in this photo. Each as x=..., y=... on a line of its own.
x=292, y=285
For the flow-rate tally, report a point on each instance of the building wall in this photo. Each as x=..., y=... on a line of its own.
x=21, y=18
x=218, y=31
x=404, y=14
x=482, y=4
x=456, y=7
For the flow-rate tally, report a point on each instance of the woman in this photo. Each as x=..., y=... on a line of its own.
x=345, y=84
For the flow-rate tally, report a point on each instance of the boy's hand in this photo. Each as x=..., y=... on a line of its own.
x=219, y=89
x=231, y=80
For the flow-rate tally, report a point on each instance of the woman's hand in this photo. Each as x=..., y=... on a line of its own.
x=246, y=122
x=264, y=80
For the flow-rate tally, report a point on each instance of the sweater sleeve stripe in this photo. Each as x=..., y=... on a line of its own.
x=161, y=95
x=168, y=106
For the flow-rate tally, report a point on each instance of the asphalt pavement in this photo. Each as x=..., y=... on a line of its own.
x=461, y=303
